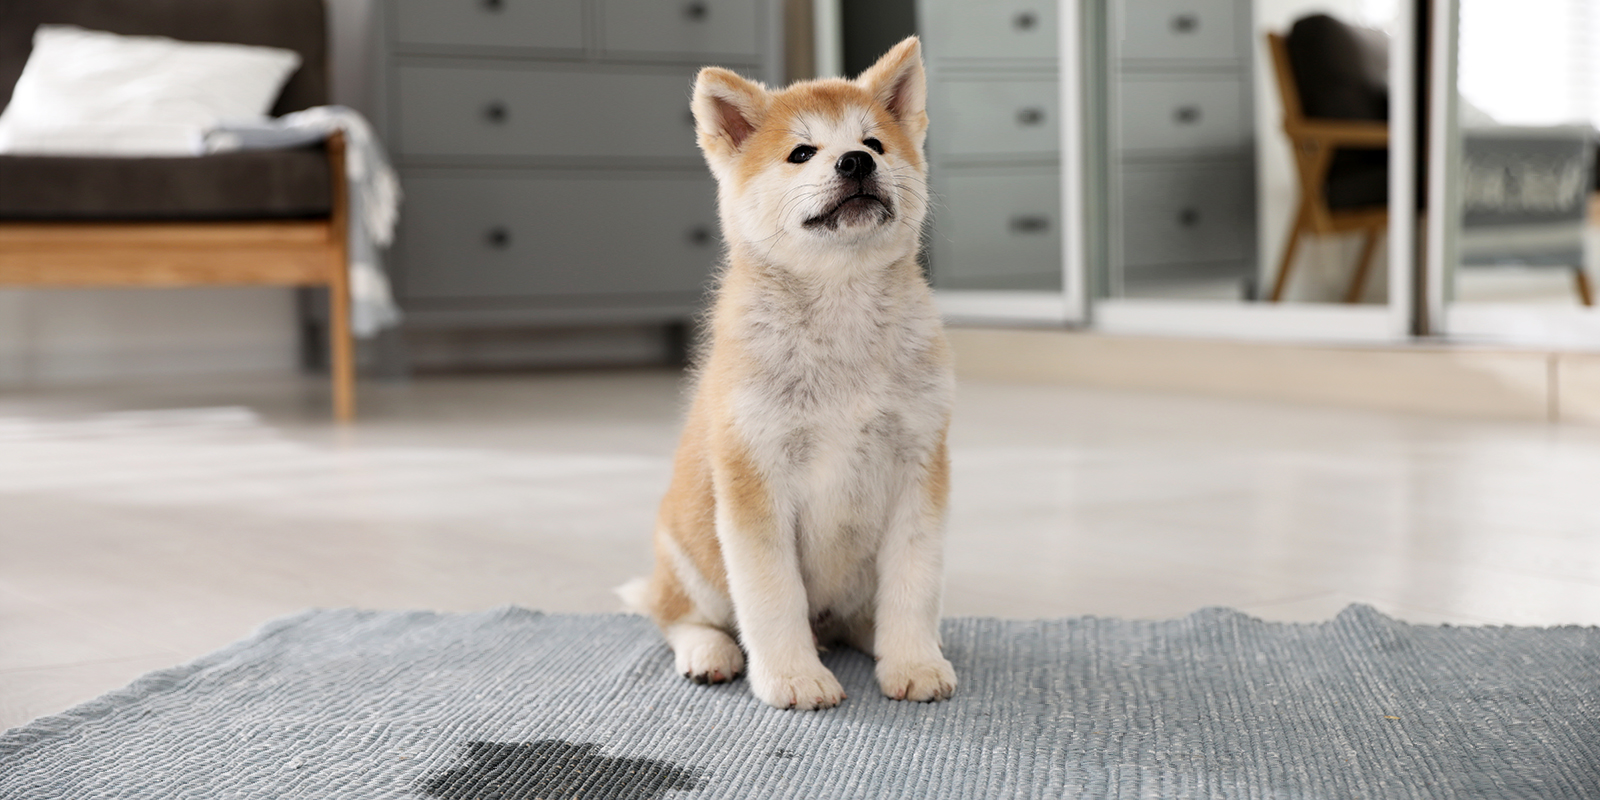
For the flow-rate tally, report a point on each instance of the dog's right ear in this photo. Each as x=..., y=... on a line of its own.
x=727, y=109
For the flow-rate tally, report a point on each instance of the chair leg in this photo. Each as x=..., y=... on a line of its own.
x=342, y=364
x=1289, y=249
x=1585, y=290
x=1363, y=266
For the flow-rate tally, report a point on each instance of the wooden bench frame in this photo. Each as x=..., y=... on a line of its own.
x=172, y=254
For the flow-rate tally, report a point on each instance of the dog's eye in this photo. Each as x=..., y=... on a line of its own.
x=877, y=146
x=802, y=154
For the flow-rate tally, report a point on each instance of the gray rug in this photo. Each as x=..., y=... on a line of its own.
x=516, y=705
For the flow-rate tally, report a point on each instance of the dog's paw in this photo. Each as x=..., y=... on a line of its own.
x=806, y=690
x=922, y=681
x=707, y=656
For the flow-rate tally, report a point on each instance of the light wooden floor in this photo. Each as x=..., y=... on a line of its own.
x=142, y=527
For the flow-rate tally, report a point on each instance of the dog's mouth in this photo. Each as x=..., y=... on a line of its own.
x=854, y=209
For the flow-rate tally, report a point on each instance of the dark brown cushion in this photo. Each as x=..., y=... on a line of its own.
x=243, y=185
x=299, y=25
x=1342, y=71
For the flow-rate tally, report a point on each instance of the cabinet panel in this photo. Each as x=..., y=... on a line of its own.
x=1180, y=29
x=1186, y=214
x=712, y=27
x=997, y=229
x=1183, y=115
x=446, y=111
x=1000, y=118
x=550, y=24
x=990, y=29
x=540, y=235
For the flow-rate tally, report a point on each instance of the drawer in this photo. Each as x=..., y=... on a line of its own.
x=490, y=237
x=445, y=111
x=544, y=24
x=691, y=27
x=989, y=29
x=997, y=230
x=999, y=118
x=1183, y=115
x=1180, y=29
x=1186, y=214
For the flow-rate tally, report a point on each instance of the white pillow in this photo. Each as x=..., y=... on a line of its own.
x=79, y=86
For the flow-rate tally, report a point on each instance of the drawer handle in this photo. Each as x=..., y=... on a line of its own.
x=697, y=12
x=700, y=236
x=1189, y=218
x=1185, y=23
x=1187, y=115
x=496, y=112
x=498, y=237
x=1024, y=21
x=1030, y=116
x=1030, y=224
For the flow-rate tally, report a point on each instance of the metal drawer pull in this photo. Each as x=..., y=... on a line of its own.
x=700, y=236
x=697, y=11
x=1185, y=23
x=1030, y=224
x=1187, y=115
x=1189, y=218
x=1024, y=21
x=495, y=112
x=499, y=238
x=1030, y=116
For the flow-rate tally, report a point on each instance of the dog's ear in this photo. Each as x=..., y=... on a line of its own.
x=897, y=82
x=727, y=109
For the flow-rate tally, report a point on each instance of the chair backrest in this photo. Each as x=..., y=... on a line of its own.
x=299, y=25
x=1288, y=92
x=1339, y=71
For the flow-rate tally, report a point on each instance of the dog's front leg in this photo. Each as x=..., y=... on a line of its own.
x=769, y=597
x=911, y=665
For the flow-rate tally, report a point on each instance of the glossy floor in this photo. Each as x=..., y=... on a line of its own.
x=141, y=527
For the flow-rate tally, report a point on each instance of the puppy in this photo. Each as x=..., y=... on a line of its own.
x=808, y=494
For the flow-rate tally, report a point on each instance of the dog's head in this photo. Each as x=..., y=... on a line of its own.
x=823, y=165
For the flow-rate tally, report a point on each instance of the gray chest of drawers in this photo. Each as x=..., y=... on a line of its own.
x=1177, y=122
x=1182, y=147
x=994, y=143
x=548, y=158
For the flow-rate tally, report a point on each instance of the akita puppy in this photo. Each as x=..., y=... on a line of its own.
x=807, y=500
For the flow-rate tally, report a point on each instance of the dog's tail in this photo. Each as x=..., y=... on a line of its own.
x=633, y=595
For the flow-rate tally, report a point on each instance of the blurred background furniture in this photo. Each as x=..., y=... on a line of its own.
x=1525, y=198
x=994, y=148
x=549, y=160
x=265, y=217
x=1183, y=179
x=1333, y=80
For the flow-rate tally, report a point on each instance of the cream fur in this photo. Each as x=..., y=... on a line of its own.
x=808, y=495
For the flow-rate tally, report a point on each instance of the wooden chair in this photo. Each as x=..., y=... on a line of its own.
x=1314, y=142
x=287, y=252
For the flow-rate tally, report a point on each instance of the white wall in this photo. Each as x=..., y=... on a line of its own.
x=1325, y=265
x=53, y=336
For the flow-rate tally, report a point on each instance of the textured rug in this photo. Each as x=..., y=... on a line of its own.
x=516, y=705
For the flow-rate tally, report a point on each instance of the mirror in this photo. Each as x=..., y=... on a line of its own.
x=1248, y=155
x=1524, y=156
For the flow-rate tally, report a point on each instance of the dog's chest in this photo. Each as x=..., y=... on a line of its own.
x=842, y=383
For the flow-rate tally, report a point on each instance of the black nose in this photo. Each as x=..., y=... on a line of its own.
x=856, y=164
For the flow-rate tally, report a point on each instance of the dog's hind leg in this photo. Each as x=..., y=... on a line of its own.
x=684, y=604
x=702, y=653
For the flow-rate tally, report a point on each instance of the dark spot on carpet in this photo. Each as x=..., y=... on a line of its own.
x=781, y=753
x=551, y=769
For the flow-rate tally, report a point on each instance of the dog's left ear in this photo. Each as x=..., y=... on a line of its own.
x=898, y=82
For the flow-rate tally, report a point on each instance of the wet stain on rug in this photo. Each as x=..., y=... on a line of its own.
x=551, y=769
